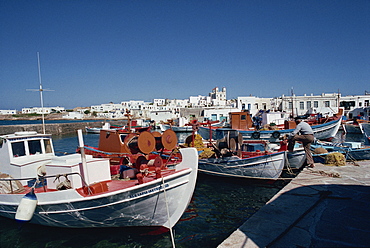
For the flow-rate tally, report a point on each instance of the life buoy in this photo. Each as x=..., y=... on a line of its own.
x=256, y=135
x=276, y=135
x=26, y=207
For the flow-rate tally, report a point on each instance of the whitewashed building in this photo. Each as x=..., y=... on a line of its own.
x=73, y=115
x=218, y=97
x=218, y=114
x=162, y=115
x=8, y=112
x=44, y=110
x=254, y=104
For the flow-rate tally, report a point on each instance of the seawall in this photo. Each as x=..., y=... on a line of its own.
x=55, y=128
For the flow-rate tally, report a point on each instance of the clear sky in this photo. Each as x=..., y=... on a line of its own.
x=95, y=51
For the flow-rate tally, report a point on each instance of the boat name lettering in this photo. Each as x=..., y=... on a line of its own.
x=149, y=191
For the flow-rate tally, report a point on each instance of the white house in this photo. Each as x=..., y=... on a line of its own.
x=8, y=112
x=163, y=115
x=253, y=104
x=45, y=110
x=74, y=115
x=218, y=114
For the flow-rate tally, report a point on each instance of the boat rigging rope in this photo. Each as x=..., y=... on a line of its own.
x=288, y=167
x=168, y=214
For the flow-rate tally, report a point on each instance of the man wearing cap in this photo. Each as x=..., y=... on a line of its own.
x=305, y=136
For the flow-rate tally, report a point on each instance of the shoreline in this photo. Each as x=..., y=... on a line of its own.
x=54, y=128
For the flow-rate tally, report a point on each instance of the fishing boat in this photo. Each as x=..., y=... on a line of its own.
x=79, y=191
x=230, y=156
x=365, y=129
x=108, y=126
x=189, y=127
x=350, y=127
x=268, y=166
x=165, y=127
x=352, y=151
x=324, y=128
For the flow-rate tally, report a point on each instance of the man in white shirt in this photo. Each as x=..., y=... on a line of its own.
x=303, y=133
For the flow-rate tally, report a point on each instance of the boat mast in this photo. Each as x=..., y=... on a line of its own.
x=41, y=99
x=40, y=90
x=292, y=103
x=338, y=100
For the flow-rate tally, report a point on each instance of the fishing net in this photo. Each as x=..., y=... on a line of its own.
x=207, y=153
x=198, y=141
x=335, y=159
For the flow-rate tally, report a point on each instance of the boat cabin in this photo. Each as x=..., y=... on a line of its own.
x=240, y=120
x=22, y=153
x=25, y=155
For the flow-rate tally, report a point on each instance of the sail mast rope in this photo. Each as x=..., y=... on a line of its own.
x=168, y=214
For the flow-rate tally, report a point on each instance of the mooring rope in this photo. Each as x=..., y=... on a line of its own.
x=168, y=214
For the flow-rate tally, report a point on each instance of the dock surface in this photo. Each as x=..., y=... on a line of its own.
x=324, y=206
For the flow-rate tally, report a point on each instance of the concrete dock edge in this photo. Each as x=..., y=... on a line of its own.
x=326, y=206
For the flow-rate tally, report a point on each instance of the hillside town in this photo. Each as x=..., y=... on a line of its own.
x=215, y=107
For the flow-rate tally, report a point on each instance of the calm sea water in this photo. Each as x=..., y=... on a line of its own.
x=217, y=208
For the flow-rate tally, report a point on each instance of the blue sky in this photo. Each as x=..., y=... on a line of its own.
x=95, y=52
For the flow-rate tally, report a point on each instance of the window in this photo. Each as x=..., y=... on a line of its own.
x=308, y=105
x=47, y=144
x=327, y=103
x=290, y=105
x=301, y=105
x=18, y=149
x=347, y=104
x=315, y=104
x=34, y=147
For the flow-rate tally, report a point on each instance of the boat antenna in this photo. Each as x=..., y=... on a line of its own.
x=292, y=93
x=40, y=90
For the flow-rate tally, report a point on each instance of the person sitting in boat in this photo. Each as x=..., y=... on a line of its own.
x=302, y=133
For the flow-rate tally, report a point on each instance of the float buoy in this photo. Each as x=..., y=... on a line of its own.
x=26, y=207
x=276, y=134
x=256, y=135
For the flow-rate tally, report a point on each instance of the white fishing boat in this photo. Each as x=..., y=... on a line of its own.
x=77, y=190
x=268, y=166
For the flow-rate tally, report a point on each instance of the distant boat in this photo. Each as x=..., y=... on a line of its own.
x=107, y=126
x=189, y=127
x=77, y=191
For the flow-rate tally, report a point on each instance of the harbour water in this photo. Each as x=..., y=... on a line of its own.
x=217, y=208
